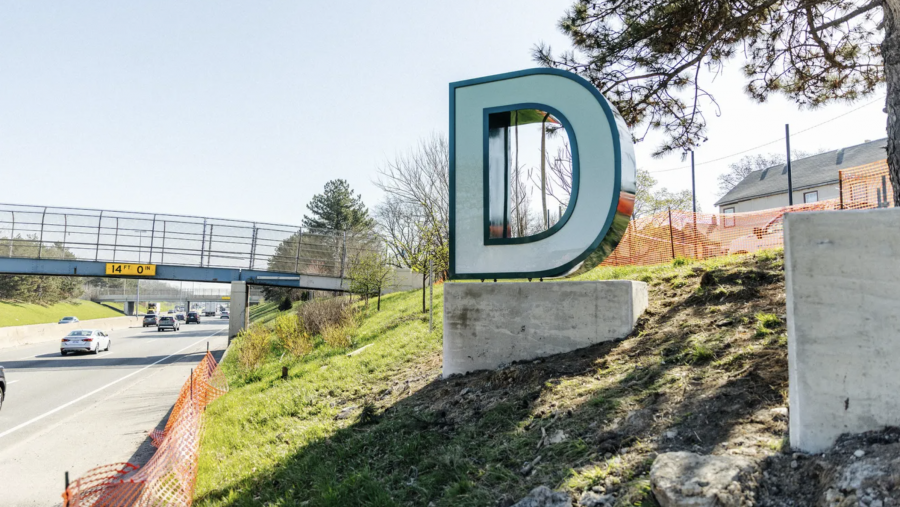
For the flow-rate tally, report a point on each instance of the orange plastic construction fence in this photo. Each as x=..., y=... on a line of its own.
x=667, y=235
x=866, y=187
x=168, y=478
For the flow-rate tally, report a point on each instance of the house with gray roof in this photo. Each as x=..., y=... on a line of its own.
x=814, y=179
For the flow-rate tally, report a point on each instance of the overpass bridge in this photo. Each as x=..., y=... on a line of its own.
x=44, y=240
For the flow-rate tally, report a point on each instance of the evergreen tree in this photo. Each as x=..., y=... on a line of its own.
x=646, y=56
x=337, y=208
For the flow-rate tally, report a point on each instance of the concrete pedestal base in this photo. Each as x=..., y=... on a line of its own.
x=239, y=309
x=842, y=272
x=490, y=324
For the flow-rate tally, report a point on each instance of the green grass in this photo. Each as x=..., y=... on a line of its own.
x=267, y=312
x=20, y=314
x=260, y=426
x=410, y=438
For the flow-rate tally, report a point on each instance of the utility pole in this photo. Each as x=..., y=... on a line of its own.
x=787, y=139
x=693, y=183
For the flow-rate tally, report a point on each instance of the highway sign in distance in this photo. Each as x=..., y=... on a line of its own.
x=119, y=269
x=226, y=297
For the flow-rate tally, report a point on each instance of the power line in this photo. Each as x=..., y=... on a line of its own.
x=772, y=141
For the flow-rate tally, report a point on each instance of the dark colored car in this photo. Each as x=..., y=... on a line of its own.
x=150, y=320
x=179, y=316
x=2, y=387
x=192, y=317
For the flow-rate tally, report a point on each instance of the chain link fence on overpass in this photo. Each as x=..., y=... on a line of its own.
x=38, y=232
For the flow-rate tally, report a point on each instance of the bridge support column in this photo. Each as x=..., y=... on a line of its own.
x=239, y=318
x=129, y=308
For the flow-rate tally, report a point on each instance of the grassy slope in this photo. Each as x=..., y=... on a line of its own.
x=705, y=365
x=17, y=314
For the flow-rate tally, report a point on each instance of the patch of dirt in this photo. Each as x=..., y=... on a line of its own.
x=704, y=371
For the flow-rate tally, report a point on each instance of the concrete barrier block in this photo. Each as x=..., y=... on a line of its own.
x=490, y=324
x=37, y=333
x=842, y=271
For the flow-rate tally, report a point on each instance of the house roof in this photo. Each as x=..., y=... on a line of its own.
x=814, y=171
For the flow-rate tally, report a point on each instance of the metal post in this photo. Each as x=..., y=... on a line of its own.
x=41, y=244
x=693, y=183
x=152, y=236
x=671, y=235
x=253, y=247
x=787, y=138
x=209, y=247
x=192, y=385
x=12, y=236
x=430, y=295
x=841, y=188
x=65, y=230
x=67, y=483
x=137, y=304
x=203, y=243
x=116, y=239
x=344, y=254
x=162, y=259
x=97, y=246
x=297, y=261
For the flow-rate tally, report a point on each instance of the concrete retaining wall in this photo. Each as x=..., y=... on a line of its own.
x=36, y=333
x=843, y=306
x=490, y=324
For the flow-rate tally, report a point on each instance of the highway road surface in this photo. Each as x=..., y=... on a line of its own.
x=80, y=411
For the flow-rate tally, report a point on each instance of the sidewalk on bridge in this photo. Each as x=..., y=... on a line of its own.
x=13, y=336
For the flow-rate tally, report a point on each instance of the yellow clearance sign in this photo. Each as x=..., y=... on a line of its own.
x=130, y=269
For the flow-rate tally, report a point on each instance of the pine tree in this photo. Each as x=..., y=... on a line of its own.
x=646, y=57
x=338, y=209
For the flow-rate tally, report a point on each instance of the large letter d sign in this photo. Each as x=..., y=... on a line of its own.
x=484, y=115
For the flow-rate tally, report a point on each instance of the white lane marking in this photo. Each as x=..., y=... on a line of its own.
x=13, y=381
x=95, y=391
x=24, y=358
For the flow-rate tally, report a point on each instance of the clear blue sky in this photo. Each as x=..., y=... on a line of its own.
x=245, y=109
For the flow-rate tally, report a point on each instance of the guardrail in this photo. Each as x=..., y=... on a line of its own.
x=39, y=232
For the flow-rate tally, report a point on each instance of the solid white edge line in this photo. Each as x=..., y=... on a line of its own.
x=95, y=391
x=12, y=381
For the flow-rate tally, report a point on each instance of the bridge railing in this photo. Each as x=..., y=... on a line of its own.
x=40, y=232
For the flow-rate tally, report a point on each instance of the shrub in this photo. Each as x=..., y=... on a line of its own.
x=292, y=336
x=319, y=314
x=680, y=261
x=286, y=304
x=337, y=335
x=253, y=346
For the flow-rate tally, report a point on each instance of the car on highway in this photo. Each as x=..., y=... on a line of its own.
x=224, y=315
x=68, y=320
x=168, y=323
x=192, y=317
x=2, y=387
x=170, y=312
x=179, y=316
x=84, y=340
x=150, y=320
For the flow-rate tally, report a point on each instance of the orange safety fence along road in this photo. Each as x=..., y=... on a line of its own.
x=168, y=478
x=667, y=235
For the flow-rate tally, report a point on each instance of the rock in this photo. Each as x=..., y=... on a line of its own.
x=542, y=496
x=794, y=464
x=591, y=499
x=685, y=479
x=528, y=467
x=671, y=434
x=464, y=392
x=345, y=413
x=558, y=436
x=859, y=453
x=780, y=411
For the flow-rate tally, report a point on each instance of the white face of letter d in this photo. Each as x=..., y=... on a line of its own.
x=603, y=177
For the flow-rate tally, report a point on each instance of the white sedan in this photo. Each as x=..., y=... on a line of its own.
x=86, y=340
